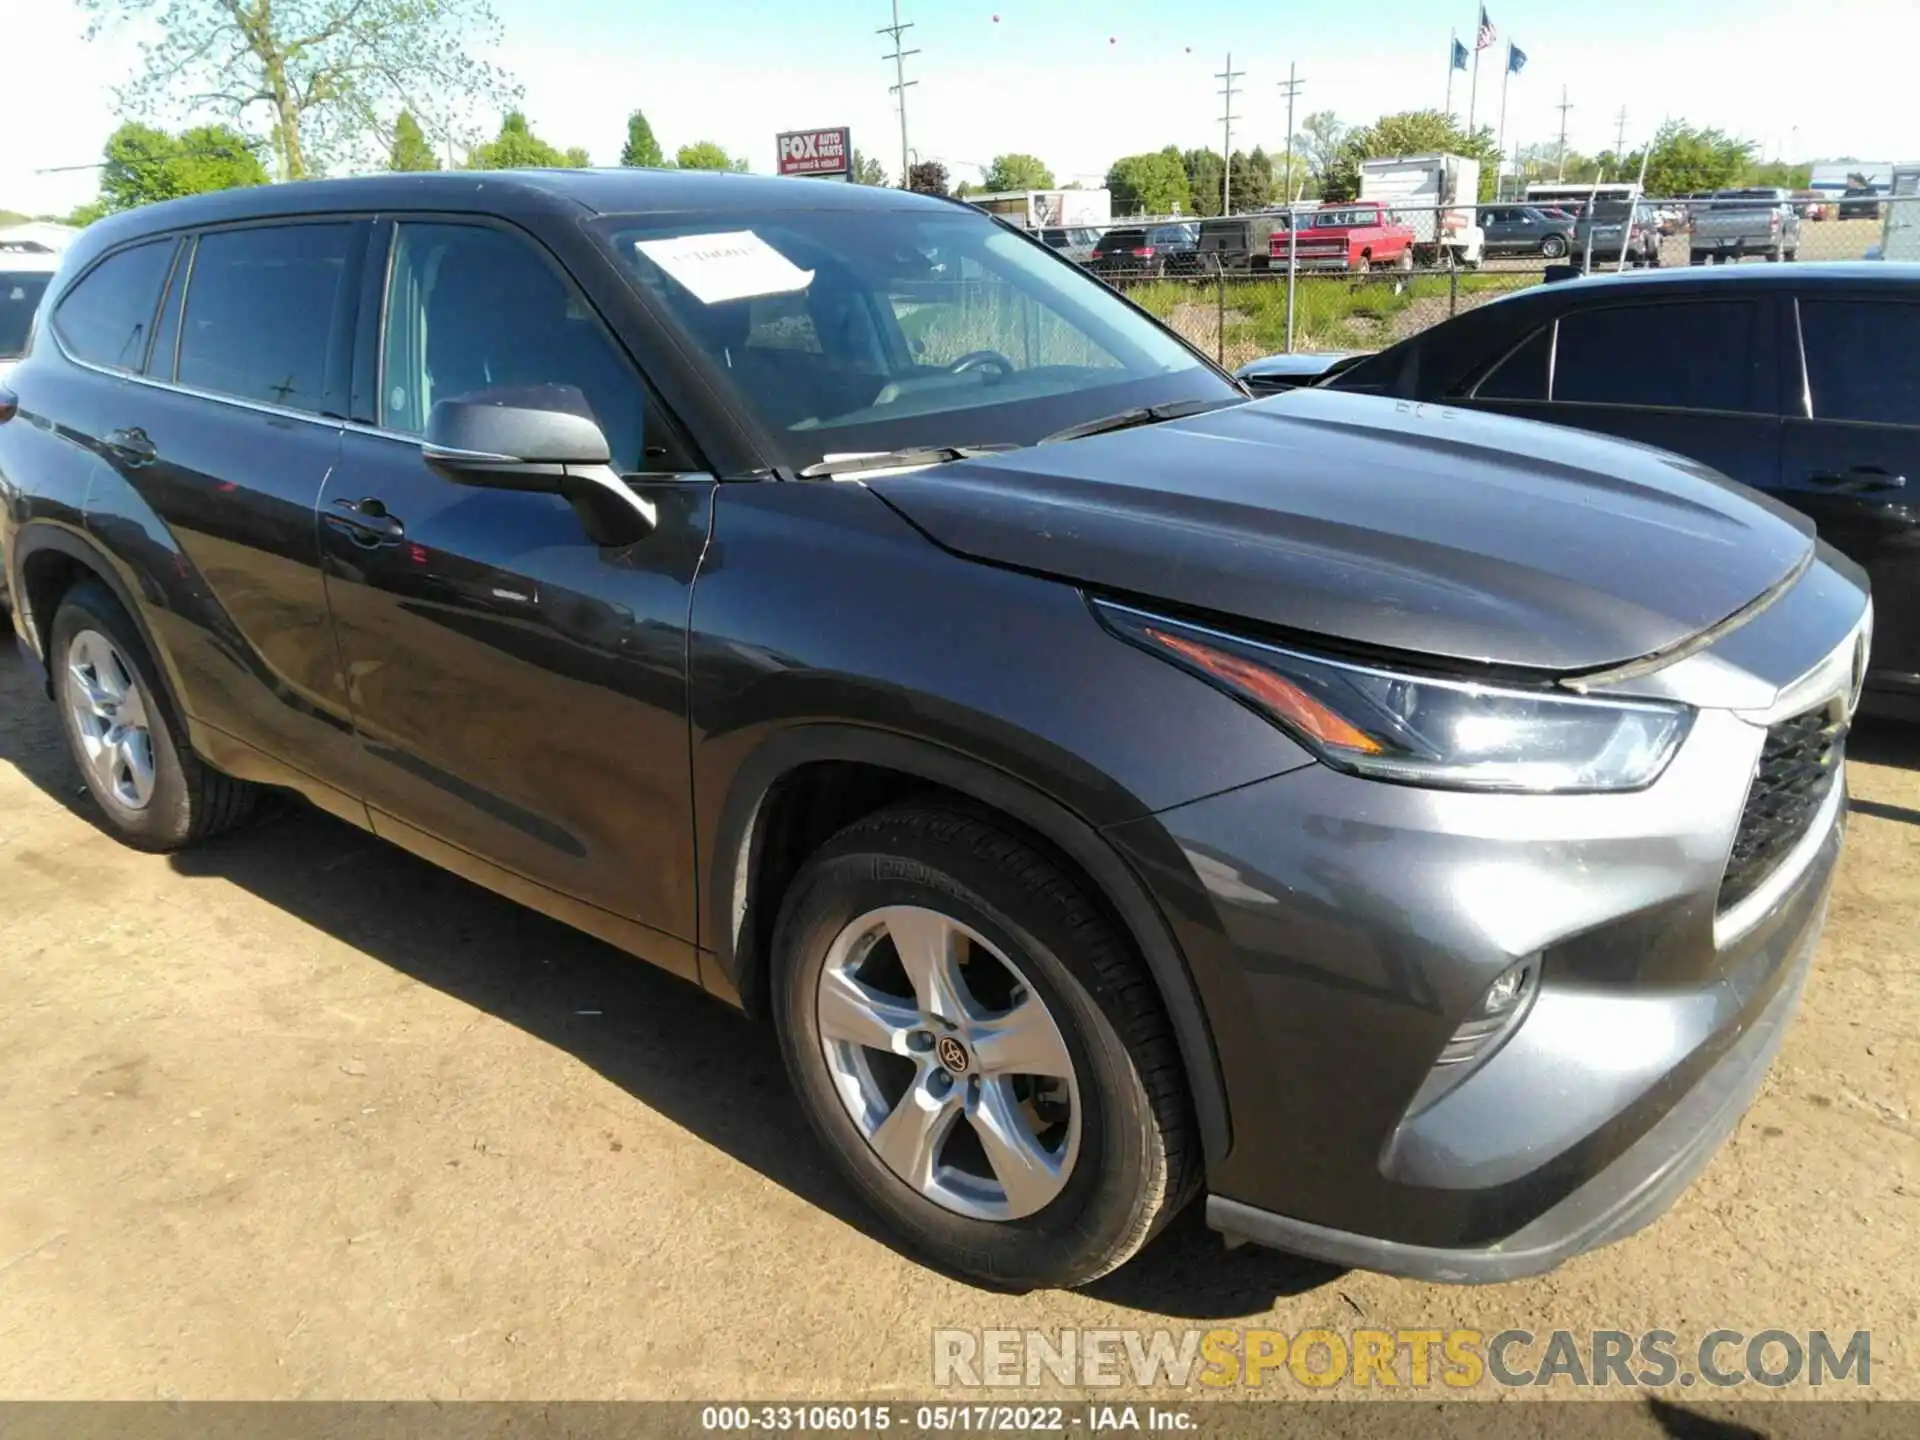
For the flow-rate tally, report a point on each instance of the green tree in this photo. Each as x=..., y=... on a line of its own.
x=516, y=147
x=1017, y=172
x=929, y=177
x=641, y=149
x=867, y=170
x=1253, y=182
x=1411, y=132
x=1778, y=172
x=576, y=158
x=410, y=148
x=705, y=155
x=1316, y=148
x=1686, y=160
x=1150, y=184
x=1205, y=176
x=313, y=77
x=145, y=165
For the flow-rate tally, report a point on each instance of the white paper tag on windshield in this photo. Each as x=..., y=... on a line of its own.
x=733, y=265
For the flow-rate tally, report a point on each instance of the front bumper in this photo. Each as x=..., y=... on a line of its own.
x=1343, y=932
x=1630, y=1193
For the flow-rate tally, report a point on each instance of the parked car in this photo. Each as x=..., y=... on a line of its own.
x=1357, y=235
x=1613, y=233
x=1239, y=243
x=1273, y=373
x=1526, y=230
x=1736, y=223
x=1103, y=783
x=1802, y=382
x=1135, y=252
x=1811, y=205
x=1861, y=202
x=1075, y=243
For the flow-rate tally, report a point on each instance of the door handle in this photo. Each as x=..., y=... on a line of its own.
x=366, y=522
x=132, y=445
x=1859, y=479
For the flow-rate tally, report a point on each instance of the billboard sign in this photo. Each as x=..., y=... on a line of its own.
x=816, y=154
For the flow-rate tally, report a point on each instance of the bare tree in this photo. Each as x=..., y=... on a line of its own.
x=321, y=80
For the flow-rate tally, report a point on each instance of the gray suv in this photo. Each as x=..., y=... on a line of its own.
x=1411, y=826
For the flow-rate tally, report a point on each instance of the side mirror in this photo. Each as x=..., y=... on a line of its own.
x=539, y=438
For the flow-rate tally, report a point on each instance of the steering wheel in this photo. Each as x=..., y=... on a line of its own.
x=973, y=359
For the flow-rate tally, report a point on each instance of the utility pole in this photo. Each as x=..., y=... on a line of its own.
x=1563, y=107
x=1290, y=87
x=1227, y=117
x=1620, y=139
x=899, y=87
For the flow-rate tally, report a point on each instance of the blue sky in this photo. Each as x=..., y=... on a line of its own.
x=1800, y=76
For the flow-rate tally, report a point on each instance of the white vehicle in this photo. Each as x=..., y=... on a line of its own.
x=1049, y=209
x=1437, y=196
x=1568, y=195
x=1900, y=233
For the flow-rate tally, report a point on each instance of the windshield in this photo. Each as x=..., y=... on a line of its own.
x=853, y=331
x=19, y=297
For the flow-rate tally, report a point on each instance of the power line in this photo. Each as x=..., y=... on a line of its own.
x=899, y=87
x=1290, y=87
x=1227, y=118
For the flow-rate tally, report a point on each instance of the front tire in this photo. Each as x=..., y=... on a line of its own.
x=1553, y=247
x=979, y=1050
x=130, y=747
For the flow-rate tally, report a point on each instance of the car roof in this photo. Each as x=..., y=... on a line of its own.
x=1802, y=273
x=560, y=192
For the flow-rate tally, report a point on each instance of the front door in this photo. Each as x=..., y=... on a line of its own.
x=1851, y=457
x=519, y=692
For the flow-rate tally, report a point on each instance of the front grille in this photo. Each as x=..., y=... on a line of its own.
x=1800, y=760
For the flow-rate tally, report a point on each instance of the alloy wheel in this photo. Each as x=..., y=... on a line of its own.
x=109, y=715
x=949, y=1063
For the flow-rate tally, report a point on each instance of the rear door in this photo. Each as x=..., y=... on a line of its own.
x=227, y=438
x=1692, y=375
x=520, y=693
x=1851, y=451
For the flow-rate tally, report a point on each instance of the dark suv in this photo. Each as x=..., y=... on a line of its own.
x=1802, y=381
x=1151, y=252
x=1415, y=825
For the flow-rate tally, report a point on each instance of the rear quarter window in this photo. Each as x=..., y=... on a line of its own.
x=107, y=317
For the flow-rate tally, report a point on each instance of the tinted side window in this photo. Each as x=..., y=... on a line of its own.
x=1523, y=374
x=471, y=309
x=259, y=322
x=107, y=317
x=1694, y=355
x=1863, y=360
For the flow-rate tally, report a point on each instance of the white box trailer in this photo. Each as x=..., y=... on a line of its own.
x=1437, y=196
x=1048, y=209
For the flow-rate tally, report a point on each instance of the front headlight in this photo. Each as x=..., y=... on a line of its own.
x=1419, y=729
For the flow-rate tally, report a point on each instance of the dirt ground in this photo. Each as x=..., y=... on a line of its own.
x=296, y=1115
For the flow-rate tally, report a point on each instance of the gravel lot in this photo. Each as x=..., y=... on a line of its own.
x=296, y=1115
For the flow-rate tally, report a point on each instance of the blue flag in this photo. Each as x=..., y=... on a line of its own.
x=1516, y=59
x=1459, y=56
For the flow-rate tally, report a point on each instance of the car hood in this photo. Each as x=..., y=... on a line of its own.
x=1382, y=523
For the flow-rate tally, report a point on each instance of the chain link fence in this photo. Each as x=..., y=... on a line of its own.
x=1345, y=277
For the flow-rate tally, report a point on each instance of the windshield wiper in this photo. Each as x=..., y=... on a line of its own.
x=1139, y=415
x=898, y=459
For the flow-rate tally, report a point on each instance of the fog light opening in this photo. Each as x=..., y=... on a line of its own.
x=1509, y=991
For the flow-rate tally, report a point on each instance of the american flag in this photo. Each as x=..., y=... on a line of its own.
x=1486, y=36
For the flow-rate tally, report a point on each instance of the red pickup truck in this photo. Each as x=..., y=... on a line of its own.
x=1354, y=235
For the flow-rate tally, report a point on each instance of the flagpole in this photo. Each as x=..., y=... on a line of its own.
x=1453, y=44
x=1500, y=137
x=1473, y=87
